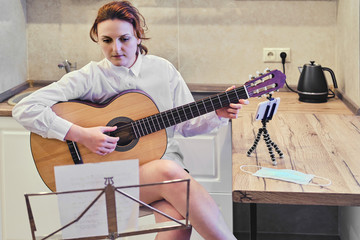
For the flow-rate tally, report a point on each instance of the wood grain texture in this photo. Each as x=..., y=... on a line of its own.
x=320, y=139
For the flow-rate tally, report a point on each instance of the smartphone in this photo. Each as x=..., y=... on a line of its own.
x=266, y=110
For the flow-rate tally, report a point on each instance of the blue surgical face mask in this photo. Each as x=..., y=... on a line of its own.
x=288, y=175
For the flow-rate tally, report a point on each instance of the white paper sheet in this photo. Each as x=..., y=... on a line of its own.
x=91, y=176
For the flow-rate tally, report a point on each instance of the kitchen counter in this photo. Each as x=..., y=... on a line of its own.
x=5, y=108
x=289, y=103
x=320, y=139
x=293, y=105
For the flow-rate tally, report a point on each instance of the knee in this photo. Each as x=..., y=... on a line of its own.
x=169, y=170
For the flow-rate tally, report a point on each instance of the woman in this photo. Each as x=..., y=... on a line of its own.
x=119, y=31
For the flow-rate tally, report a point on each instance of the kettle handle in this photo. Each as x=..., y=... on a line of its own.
x=332, y=76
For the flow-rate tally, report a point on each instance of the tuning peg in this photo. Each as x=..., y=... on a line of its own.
x=267, y=70
x=251, y=77
x=262, y=96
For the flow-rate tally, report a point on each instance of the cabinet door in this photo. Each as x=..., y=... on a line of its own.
x=209, y=160
x=18, y=176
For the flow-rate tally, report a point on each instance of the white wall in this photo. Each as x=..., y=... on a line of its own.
x=347, y=49
x=348, y=70
x=210, y=42
x=13, y=44
x=13, y=57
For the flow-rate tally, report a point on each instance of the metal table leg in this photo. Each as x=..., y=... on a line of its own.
x=253, y=221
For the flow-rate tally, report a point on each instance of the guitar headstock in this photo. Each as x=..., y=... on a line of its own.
x=265, y=83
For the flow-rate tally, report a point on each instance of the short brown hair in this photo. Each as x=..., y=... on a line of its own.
x=122, y=10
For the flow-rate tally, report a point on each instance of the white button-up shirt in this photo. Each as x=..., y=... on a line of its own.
x=100, y=81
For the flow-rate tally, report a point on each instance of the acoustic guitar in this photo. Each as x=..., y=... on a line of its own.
x=141, y=127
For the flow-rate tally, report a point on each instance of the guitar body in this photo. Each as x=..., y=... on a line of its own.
x=131, y=106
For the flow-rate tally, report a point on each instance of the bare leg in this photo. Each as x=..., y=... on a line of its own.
x=204, y=215
x=167, y=208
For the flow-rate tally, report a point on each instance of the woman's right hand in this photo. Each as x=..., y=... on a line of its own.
x=93, y=138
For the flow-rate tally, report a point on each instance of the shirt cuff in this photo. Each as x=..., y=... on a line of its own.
x=59, y=129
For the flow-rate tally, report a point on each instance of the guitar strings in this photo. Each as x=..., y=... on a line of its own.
x=143, y=129
x=149, y=126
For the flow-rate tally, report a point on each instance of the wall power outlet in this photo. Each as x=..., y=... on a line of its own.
x=273, y=54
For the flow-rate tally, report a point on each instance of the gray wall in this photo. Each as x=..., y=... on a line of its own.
x=13, y=43
x=210, y=42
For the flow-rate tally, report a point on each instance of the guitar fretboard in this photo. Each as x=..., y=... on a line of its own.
x=263, y=84
x=186, y=112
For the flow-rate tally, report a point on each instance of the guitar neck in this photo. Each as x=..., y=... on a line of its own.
x=186, y=112
x=263, y=84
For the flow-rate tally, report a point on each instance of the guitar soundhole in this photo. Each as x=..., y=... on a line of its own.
x=127, y=138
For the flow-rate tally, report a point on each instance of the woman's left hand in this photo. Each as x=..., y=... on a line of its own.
x=233, y=109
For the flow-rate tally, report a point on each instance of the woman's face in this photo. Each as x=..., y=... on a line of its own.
x=118, y=42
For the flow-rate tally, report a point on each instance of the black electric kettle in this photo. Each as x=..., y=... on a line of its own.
x=312, y=86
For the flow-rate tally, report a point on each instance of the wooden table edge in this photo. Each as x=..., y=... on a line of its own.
x=297, y=198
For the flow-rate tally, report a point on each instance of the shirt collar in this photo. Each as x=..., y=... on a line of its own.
x=135, y=68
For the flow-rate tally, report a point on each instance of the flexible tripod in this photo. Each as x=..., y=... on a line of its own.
x=268, y=114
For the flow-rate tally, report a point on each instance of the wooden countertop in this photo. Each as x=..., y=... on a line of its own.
x=5, y=108
x=321, y=139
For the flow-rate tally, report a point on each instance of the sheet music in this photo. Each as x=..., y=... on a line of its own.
x=91, y=176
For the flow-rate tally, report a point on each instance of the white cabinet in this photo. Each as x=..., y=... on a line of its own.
x=18, y=175
x=208, y=157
